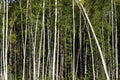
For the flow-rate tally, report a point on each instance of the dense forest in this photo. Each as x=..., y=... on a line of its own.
x=59, y=39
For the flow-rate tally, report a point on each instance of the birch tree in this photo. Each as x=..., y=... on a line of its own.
x=73, y=57
x=43, y=26
x=55, y=36
x=25, y=40
x=3, y=39
x=6, y=42
x=116, y=41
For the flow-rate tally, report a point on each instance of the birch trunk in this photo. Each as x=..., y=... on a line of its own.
x=91, y=48
x=21, y=19
x=3, y=39
x=73, y=57
x=30, y=35
x=112, y=24
x=40, y=46
x=49, y=49
x=24, y=44
x=116, y=41
x=109, y=48
x=57, y=70
x=6, y=41
x=80, y=41
x=43, y=26
x=86, y=62
x=1, y=64
x=55, y=34
x=34, y=48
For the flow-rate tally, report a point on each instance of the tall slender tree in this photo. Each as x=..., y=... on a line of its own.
x=6, y=42
x=55, y=36
x=73, y=57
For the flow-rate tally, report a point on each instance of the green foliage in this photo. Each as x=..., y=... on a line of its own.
x=82, y=1
x=99, y=12
x=11, y=75
x=13, y=38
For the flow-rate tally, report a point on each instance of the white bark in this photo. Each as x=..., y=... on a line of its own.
x=91, y=48
x=40, y=46
x=3, y=32
x=116, y=41
x=80, y=41
x=86, y=62
x=109, y=48
x=43, y=26
x=112, y=23
x=34, y=48
x=73, y=57
x=113, y=49
x=55, y=34
x=49, y=51
x=24, y=44
x=57, y=71
x=6, y=41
